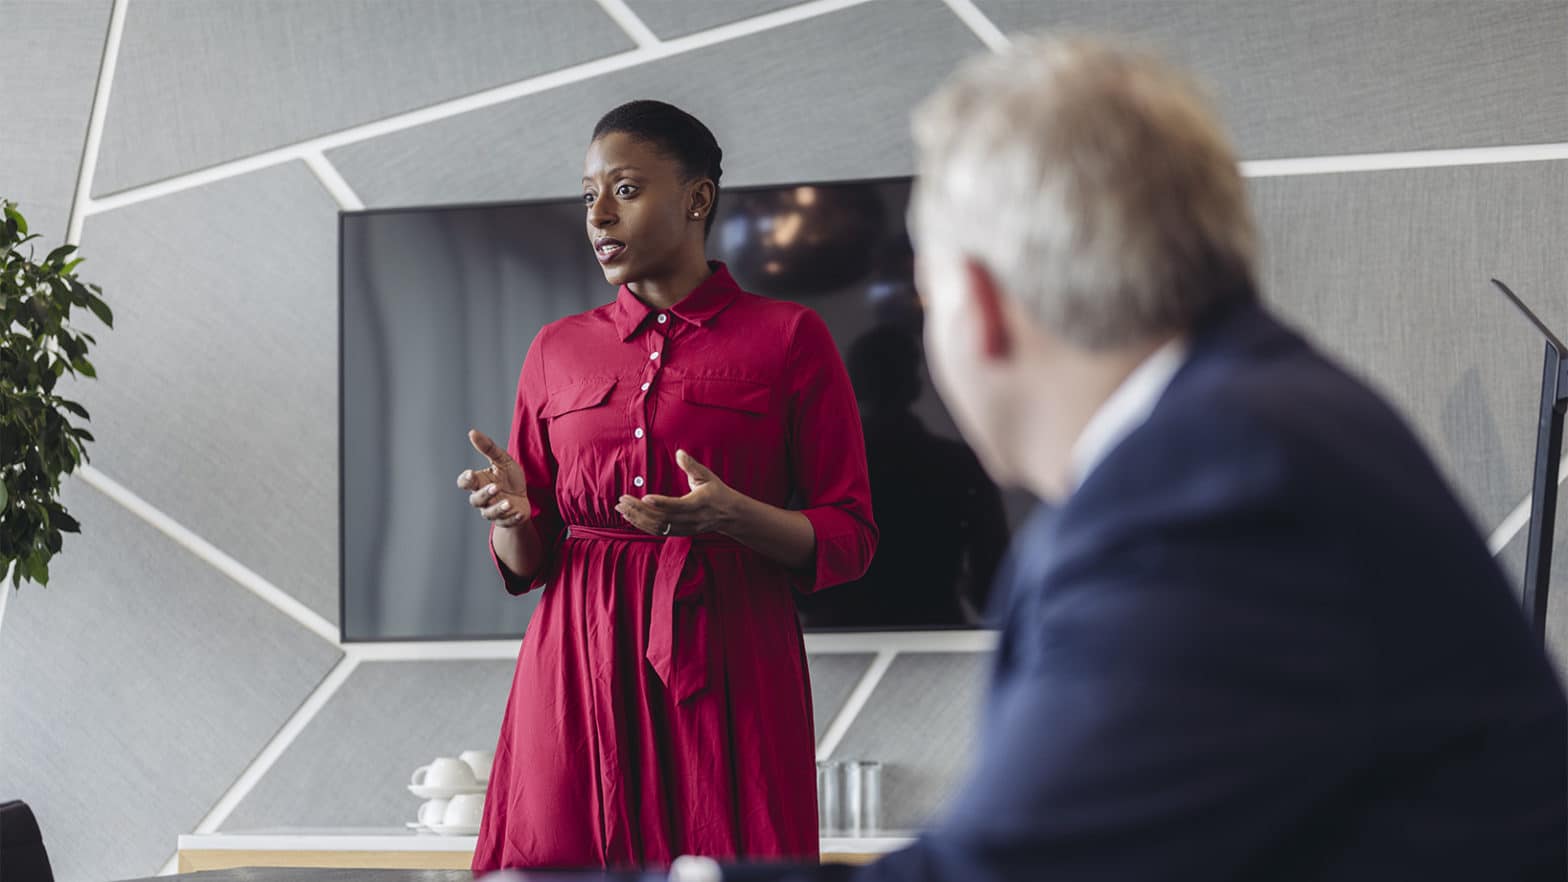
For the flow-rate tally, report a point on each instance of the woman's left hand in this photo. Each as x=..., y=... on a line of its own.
x=706, y=509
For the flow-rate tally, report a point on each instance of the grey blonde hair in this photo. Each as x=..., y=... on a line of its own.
x=1093, y=181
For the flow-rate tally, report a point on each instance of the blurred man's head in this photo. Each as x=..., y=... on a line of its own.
x=1077, y=205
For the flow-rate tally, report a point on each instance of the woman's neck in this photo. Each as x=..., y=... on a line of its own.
x=664, y=290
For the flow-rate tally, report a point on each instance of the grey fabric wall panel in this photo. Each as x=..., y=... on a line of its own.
x=217, y=394
x=204, y=81
x=770, y=116
x=351, y=765
x=136, y=689
x=833, y=677
x=1316, y=77
x=1389, y=271
x=669, y=20
x=51, y=49
x=920, y=724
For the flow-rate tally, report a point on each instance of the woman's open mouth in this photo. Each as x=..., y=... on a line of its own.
x=608, y=250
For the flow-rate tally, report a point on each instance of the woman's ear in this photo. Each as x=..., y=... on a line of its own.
x=699, y=199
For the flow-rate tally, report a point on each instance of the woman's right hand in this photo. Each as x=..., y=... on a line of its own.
x=499, y=492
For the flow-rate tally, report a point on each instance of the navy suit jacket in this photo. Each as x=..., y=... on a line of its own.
x=1261, y=641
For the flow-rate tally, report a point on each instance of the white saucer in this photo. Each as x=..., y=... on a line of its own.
x=430, y=791
x=451, y=830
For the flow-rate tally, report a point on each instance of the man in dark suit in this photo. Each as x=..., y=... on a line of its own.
x=1256, y=637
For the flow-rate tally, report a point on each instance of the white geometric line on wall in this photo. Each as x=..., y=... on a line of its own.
x=1364, y=162
x=5, y=595
x=328, y=174
x=84, y=177
x=476, y=101
x=269, y=755
x=724, y=33
x=629, y=22
x=1518, y=518
x=977, y=21
x=855, y=703
x=211, y=554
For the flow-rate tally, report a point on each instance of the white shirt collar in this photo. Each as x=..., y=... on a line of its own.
x=1126, y=408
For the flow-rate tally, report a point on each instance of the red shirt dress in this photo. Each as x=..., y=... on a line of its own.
x=661, y=704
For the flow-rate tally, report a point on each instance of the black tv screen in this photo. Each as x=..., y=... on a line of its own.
x=438, y=307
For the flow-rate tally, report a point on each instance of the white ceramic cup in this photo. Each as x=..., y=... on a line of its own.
x=432, y=812
x=446, y=771
x=465, y=810
x=480, y=761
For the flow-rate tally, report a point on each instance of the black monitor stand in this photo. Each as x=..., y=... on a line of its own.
x=1548, y=453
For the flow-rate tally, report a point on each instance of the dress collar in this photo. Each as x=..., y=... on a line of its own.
x=704, y=302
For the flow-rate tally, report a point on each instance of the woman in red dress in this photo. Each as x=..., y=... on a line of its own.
x=661, y=704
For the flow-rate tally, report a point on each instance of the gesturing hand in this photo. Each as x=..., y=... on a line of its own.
x=499, y=492
x=704, y=510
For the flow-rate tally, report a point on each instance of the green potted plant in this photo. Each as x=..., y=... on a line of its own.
x=38, y=442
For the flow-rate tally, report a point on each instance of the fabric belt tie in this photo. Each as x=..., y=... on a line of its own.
x=680, y=607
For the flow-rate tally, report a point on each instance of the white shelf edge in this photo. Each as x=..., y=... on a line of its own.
x=396, y=841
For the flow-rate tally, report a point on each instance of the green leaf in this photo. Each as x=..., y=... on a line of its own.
x=71, y=267
x=4, y=496
x=57, y=256
x=67, y=523
x=83, y=366
x=101, y=310
x=75, y=408
x=83, y=434
x=72, y=347
x=13, y=214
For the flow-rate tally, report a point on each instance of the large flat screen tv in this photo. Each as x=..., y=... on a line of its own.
x=439, y=304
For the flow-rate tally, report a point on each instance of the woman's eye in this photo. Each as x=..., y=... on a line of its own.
x=587, y=198
x=625, y=190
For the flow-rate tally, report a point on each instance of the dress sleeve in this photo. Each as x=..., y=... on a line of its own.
x=827, y=450
x=529, y=444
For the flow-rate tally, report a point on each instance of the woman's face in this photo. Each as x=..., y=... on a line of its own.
x=639, y=211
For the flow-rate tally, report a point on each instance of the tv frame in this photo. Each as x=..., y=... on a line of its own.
x=883, y=640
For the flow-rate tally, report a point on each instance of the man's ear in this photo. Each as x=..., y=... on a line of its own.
x=985, y=297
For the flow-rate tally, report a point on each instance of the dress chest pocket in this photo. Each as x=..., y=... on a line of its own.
x=579, y=412
x=746, y=396
x=724, y=411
